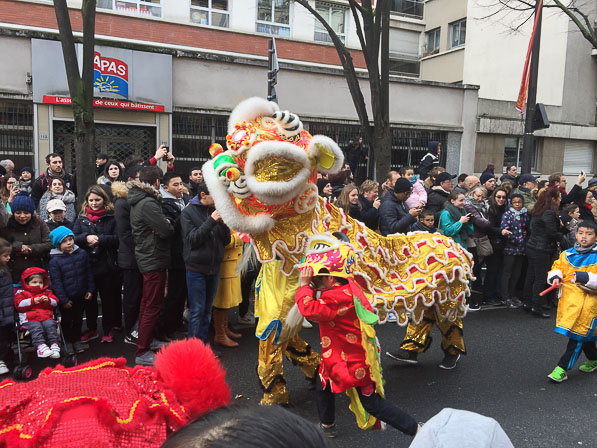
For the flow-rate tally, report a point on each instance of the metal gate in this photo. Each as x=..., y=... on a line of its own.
x=410, y=145
x=118, y=141
x=16, y=132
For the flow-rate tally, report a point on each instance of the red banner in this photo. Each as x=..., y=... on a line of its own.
x=524, y=84
x=117, y=104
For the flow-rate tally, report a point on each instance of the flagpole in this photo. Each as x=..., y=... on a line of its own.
x=529, y=138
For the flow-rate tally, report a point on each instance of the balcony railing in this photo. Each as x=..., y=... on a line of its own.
x=409, y=8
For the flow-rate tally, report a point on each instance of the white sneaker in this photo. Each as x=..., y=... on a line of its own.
x=307, y=324
x=55, y=351
x=43, y=351
x=3, y=369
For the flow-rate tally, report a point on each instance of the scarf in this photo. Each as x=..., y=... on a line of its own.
x=482, y=207
x=414, y=179
x=584, y=250
x=425, y=228
x=456, y=214
x=517, y=213
x=68, y=197
x=52, y=175
x=94, y=215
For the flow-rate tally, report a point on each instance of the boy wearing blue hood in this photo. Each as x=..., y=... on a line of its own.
x=72, y=282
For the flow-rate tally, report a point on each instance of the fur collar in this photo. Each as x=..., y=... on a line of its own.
x=144, y=187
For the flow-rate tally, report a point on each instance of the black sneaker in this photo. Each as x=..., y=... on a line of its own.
x=449, y=361
x=329, y=431
x=130, y=339
x=404, y=356
x=474, y=307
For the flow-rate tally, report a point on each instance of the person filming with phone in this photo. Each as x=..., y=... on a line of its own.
x=394, y=214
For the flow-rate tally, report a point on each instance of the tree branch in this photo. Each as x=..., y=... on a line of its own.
x=587, y=32
x=69, y=53
x=357, y=22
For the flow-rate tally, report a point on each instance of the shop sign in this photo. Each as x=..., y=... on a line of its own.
x=110, y=75
x=131, y=105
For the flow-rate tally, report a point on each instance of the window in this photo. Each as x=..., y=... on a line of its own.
x=335, y=16
x=457, y=33
x=404, y=66
x=141, y=7
x=432, y=42
x=210, y=12
x=513, y=152
x=273, y=17
x=412, y=8
x=578, y=156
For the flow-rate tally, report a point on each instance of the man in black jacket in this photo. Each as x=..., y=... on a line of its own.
x=439, y=193
x=151, y=234
x=174, y=200
x=394, y=215
x=54, y=170
x=204, y=237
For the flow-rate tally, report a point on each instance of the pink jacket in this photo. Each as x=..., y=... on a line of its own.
x=418, y=195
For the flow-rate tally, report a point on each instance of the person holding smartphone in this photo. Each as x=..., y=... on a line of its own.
x=9, y=190
x=454, y=220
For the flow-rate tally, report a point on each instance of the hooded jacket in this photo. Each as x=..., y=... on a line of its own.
x=150, y=228
x=29, y=311
x=204, y=238
x=429, y=160
x=122, y=215
x=71, y=274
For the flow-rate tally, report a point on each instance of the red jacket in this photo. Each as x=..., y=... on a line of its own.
x=25, y=304
x=343, y=357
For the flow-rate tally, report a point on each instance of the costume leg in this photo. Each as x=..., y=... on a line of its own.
x=590, y=350
x=418, y=337
x=571, y=354
x=301, y=354
x=387, y=412
x=270, y=370
x=452, y=340
x=326, y=403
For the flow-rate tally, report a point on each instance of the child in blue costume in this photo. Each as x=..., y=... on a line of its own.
x=576, y=271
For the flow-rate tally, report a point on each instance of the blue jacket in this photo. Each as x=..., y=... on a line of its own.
x=71, y=274
x=7, y=299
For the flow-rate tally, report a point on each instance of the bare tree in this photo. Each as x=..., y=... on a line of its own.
x=577, y=11
x=373, y=31
x=80, y=86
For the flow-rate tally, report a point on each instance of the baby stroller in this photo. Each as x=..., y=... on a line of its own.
x=23, y=371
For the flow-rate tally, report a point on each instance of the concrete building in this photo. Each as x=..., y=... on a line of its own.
x=472, y=42
x=170, y=71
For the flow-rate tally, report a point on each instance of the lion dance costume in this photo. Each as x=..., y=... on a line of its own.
x=264, y=185
x=104, y=403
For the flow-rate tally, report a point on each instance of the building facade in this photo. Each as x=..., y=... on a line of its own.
x=170, y=71
x=476, y=42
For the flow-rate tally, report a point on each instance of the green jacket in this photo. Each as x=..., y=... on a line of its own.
x=151, y=230
x=529, y=199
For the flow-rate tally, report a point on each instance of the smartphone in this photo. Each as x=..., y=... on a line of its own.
x=166, y=148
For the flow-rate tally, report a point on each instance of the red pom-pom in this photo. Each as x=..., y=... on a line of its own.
x=190, y=371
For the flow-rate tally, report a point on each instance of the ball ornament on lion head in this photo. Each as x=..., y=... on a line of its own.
x=264, y=185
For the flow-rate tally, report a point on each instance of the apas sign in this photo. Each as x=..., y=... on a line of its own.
x=110, y=75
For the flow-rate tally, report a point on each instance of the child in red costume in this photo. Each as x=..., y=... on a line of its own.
x=348, y=343
x=35, y=304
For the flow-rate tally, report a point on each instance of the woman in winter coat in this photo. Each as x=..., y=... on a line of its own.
x=349, y=201
x=542, y=249
x=431, y=159
x=516, y=220
x=95, y=231
x=454, y=221
x=28, y=235
x=57, y=190
x=112, y=173
x=498, y=205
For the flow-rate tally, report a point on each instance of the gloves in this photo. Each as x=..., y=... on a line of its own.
x=582, y=277
x=554, y=275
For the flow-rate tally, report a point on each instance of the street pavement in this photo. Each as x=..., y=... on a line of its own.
x=503, y=376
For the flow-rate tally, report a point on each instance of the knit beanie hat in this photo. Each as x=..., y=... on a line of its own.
x=59, y=233
x=29, y=170
x=402, y=185
x=485, y=176
x=23, y=203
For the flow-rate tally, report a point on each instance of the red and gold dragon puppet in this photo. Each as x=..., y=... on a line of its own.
x=264, y=185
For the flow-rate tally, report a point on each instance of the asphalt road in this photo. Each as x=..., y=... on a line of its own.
x=503, y=376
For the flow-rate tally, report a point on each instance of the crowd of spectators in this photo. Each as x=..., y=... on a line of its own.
x=514, y=227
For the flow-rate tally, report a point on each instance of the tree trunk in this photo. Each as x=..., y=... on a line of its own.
x=382, y=150
x=80, y=87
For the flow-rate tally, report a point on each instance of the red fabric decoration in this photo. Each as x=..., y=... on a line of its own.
x=94, y=215
x=104, y=403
